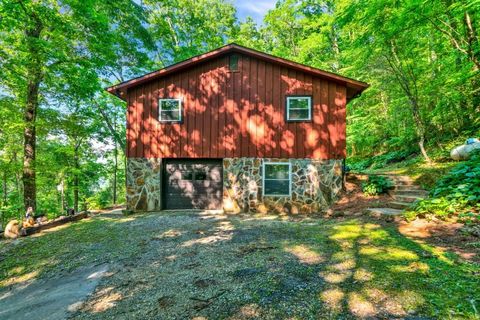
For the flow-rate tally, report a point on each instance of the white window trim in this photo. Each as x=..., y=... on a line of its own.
x=160, y=109
x=309, y=99
x=289, y=179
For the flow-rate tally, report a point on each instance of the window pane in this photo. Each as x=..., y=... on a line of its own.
x=169, y=105
x=233, y=63
x=200, y=175
x=188, y=175
x=298, y=115
x=277, y=187
x=298, y=103
x=170, y=115
x=276, y=171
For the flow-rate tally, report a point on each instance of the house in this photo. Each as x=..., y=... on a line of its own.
x=236, y=129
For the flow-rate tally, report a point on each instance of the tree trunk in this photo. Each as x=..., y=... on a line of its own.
x=18, y=185
x=62, y=196
x=472, y=40
x=5, y=192
x=75, y=181
x=422, y=149
x=420, y=129
x=115, y=168
x=111, y=127
x=336, y=48
x=29, y=134
x=34, y=78
x=407, y=82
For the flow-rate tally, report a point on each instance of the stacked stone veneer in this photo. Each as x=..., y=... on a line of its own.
x=143, y=184
x=315, y=185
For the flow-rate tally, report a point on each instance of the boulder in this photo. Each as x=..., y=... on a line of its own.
x=12, y=230
x=463, y=152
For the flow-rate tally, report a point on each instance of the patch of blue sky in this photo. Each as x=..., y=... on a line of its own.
x=257, y=9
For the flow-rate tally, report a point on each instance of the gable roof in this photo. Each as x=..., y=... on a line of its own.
x=354, y=87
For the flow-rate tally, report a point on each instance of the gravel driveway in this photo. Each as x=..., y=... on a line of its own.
x=191, y=265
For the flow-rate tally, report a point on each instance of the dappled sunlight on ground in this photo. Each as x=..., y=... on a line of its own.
x=412, y=267
x=103, y=300
x=360, y=306
x=47, y=231
x=172, y=233
x=394, y=253
x=362, y=275
x=421, y=228
x=334, y=277
x=305, y=254
x=204, y=265
x=446, y=235
x=368, y=252
x=222, y=232
x=333, y=299
x=22, y=278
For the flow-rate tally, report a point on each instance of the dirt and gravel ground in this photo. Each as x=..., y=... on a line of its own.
x=190, y=265
x=449, y=235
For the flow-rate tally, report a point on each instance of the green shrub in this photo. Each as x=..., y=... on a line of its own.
x=100, y=200
x=389, y=158
x=458, y=192
x=10, y=212
x=376, y=185
x=470, y=217
x=379, y=161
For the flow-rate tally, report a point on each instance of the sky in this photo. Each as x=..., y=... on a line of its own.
x=254, y=8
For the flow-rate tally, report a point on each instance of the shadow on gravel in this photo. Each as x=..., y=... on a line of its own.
x=186, y=265
x=239, y=267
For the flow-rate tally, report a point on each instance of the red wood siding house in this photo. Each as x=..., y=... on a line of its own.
x=231, y=105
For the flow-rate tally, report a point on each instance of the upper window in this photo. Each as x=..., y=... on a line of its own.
x=299, y=108
x=276, y=179
x=170, y=110
x=233, y=62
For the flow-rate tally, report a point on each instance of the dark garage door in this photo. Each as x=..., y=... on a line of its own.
x=193, y=184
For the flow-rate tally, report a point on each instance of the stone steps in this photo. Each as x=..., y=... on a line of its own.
x=403, y=187
x=404, y=193
x=403, y=183
x=396, y=178
x=419, y=193
x=407, y=197
x=385, y=211
x=399, y=205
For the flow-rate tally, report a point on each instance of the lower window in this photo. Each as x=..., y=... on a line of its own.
x=276, y=179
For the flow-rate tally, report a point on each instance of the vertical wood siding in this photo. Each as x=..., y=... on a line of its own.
x=237, y=114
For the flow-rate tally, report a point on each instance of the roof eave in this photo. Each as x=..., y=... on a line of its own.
x=354, y=92
x=120, y=90
x=122, y=87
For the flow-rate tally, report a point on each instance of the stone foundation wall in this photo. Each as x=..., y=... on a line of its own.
x=315, y=186
x=143, y=184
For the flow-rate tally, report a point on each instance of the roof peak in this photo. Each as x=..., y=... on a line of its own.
x=354, y=87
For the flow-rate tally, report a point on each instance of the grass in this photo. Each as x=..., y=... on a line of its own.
x=423, y=174
x=415, y=166
x=187, y=265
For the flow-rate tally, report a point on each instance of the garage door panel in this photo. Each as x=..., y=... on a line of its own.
x=193, y=184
